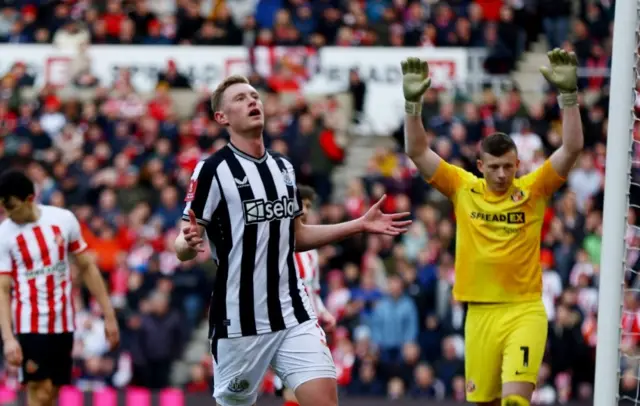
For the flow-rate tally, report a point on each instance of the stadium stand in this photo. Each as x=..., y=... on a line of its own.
x=121, y=158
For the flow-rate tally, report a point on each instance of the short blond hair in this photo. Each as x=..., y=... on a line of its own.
x=216, y=97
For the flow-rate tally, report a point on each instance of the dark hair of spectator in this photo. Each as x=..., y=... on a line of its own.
x=395, y=276
x=16, y=184
x=498, y=144
x=307, y=193
x=216, y=97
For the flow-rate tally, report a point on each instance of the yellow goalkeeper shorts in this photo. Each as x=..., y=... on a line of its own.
x=504, y=342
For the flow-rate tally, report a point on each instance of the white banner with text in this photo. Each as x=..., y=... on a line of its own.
x=325, y=71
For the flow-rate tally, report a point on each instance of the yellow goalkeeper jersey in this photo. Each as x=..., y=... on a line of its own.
x=498, y=237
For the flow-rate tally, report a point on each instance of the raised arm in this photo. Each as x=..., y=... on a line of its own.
x=563, y=75
x=414, y=83
x=443, y=176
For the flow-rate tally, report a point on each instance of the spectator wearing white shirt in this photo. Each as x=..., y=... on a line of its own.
x=587, y=294
x=551, y=284
x=71, y=37
x=70, y=142
x=539, y=158
x=8, y=16
x=52, y=120
x=162, y=7
x=585, y=181
x=583, y=267
x=528, y=143
x=545, y=393
x=91, y=333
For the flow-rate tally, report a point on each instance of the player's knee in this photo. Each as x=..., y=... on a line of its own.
x=514, y=400
x=318, y=391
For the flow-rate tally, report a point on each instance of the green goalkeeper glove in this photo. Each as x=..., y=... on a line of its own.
x=563, y=74
x=415, y=81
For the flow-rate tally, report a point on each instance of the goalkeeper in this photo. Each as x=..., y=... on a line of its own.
x=499, y=219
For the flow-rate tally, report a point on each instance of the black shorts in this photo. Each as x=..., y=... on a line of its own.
x=47, y=356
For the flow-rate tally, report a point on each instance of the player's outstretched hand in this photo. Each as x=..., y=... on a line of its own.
x=112, y=332
x=415, y=79
x=13, y=352
x=563, y=72
x=192, y=233
x=377, y=222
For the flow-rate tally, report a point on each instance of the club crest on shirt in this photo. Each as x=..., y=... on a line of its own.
x=471, y=386
x=517, y=195
x=31, y=367
x=287, y=178
x=191, y=191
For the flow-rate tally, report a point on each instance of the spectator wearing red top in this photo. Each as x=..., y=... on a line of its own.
x=114, y=17
x=161, y=106
x=283, y=80
x=490, y=9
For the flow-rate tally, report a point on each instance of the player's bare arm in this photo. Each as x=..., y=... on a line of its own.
x=415, y=82
x=95, y=283
x=5, y=306
x=562, y=73
x=189, y=242
x=12, y=350
x=374, y=221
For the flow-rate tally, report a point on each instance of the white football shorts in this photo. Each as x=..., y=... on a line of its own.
x=297, y=355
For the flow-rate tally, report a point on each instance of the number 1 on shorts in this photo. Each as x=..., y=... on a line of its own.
x=525, y=356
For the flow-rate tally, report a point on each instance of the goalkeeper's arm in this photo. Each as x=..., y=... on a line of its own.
x=415, y=81
x=563, y=74
x=416, y=141
x=565, y=157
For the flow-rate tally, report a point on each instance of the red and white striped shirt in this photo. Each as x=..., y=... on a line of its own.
x=630, y=324
x=308, y=268
x=36, y=255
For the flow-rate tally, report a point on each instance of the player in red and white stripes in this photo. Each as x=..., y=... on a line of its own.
x=36, y=303
x=309, y=272
x=308, y=267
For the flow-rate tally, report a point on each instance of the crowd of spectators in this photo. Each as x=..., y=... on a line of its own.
x=122, y=163
x=504, y=31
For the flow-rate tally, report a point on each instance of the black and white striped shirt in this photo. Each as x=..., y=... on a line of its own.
x=248, y=207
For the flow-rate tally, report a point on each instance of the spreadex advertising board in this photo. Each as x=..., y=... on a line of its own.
x=325, y=71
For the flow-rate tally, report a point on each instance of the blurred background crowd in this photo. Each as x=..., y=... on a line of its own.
x=122, y=163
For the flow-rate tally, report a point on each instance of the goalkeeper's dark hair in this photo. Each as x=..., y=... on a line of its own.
x=498, y=144
x=307, y=193
x=17, y=184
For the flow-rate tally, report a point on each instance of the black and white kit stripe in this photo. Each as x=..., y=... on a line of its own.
x=248, y=207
